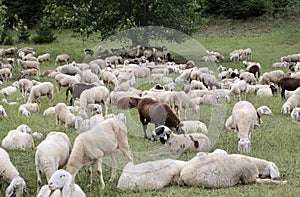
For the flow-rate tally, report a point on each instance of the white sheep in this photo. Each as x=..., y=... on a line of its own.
x=10, y=174
x=27, y=109
x=192, y=126
x=209, y=99
x=150, y=175
x=30, y=64
x=49, y=111
x=238, y=88
x=5, y=74
x=248, y=77
x=62, y=58
x=39, y=90
x=264, y=92
x=89, y=77
x=91, y=146
x=52, y=154
x=85, y=124
x=64, y=115
x=3, y=113
x=179, y=143
x=64, y=80
x=109, y=78
x=295, y=114
x=9, y=90
x=219, y=169
x=44, y=58
x=69, y=69
x=96, y=94
x=271, y=77
x=25, y=86
x=197, y=85
x=61, y=184
x=291, y=103
x=19, y=138
x=210, y=81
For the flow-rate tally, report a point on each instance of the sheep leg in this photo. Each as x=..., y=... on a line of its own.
x=39, y=180
x=114, y=168
x=99, y=170
x=90, y=171
x=145, y=130
x=271, y=181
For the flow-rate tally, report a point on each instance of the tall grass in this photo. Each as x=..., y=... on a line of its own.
x=276, y=139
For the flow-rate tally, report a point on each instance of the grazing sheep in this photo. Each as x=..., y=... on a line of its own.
x=271, y=77
x=62, y=58
x=237, y=88
x=64, y=115
x=3, y=113
x=219, y=169
x=64, y=80
x=27, y=109
x=96, y=94
x=91, y=146
x=25, y=86
x=295, y=114
x=192, y=126
x=61, y=184
x=291, y=103
x=42, y=89
x=51, y=154
x=5, y=74
x=195, y=142
x=44, y=58
x=150, y=175
x=248, y=77
x=30, y=64
x=69, y=69
x=197, y=85
x=287, y=83
x=76, y=89
x=109, y=78
x=10, y=174
x=19, y=138
x=151, y=111
x=210, y=81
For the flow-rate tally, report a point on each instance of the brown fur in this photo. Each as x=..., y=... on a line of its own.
x=288, y=83
x=255, y=70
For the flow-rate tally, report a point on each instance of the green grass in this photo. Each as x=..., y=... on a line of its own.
x=277, y=139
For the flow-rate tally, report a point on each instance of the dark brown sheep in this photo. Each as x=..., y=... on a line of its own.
x=255, y=69
x=151, y=111
x=288, y=83
x=76, y=89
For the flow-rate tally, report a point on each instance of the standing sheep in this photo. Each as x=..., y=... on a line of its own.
x=44, y=58
x=64, y=115
x=62, y=58
x=52, y=154
x=42, y=89
x=3, y=113
x=10, y=174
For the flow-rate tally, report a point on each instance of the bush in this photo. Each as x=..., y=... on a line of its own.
x=23, y=35
x=44, y=35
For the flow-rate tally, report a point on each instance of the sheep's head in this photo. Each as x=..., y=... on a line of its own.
x=244, y=145
x=24, y=128
x=163, y=132
x=63, y=180
x=18, y=185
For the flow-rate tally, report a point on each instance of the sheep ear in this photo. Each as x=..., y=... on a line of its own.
x=66, y=191
x=10, y=189
x=274, y=172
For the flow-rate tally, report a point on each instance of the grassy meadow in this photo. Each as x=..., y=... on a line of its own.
x=277, y=138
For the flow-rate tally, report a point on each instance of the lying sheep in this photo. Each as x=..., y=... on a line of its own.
x=61, y=185
x=9, y=90
x=44, y=58
x=185, y=142
x=42, y=89
x=27, y=109
x=91, y=146
x=150, y=175
x=49, y=111
x=219, y=169
x=62, y=58
x=3, y=113
x=51, y=154
x=192, y=126
x=64, y=115
x=96, y=94
x=19, y=138
x=10, y=174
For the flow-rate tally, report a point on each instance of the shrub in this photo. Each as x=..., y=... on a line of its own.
x=44, y=35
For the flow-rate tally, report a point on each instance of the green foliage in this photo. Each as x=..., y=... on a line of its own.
x=44, y=34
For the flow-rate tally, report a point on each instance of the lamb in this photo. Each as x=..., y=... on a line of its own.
x=44, y=58
x=27, y=109
x=10, y=174
x=295, y=114
x=64, y=115
x=192, y=126
x=219, y=169
x=291, y=103
x=62, y=58
x=150, y=175
x=3, y=113
x=61, y=184
x=8, y=90
x=49, y=111
x=64, y=80
x=102, y=140
x=195, y=142
x=42, y=89
x=51, y=154
x=5, y=74
x=95, y=95
x=19, y=138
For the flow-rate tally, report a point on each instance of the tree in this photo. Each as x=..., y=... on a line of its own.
x=112, y=16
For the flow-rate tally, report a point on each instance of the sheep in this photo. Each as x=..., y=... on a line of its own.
x=280, y=65
x=51, y=154
x=76, y=89
x=237, y=88
x=150, y=175
x=291, y=103
x=95, y=95
x=10, y=174
x=265, y=92
x=192, y=126
x=287, y=83
x=102, y=140
x=85, y=124
x=64, y=80
x=115, y=96
x=61, y=184
x=8, y=90
x=210, y=81
x=29, y=57
x=3, y=113
x=69, y=69
x=27, y=109
x=89, y=77
x=19, y=138
x=219, y=169
x=25, y=86
x=49, y=111
x=44, y=58
x=30, y=64
x=151, y=111
x=295, y=114
x=109, y=78
x=247, y=54
x=248, y=77
x=62, y=58
x=197, y=85
x=271, y=77
x=5, y=74
x=209, y=99
x=184, y=76
x=42, y=89
x=179, y=143
x=64, y=115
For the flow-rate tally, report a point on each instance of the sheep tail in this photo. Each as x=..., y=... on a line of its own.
x=196, y=143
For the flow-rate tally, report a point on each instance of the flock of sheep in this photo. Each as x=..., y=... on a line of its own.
x=101, y=132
